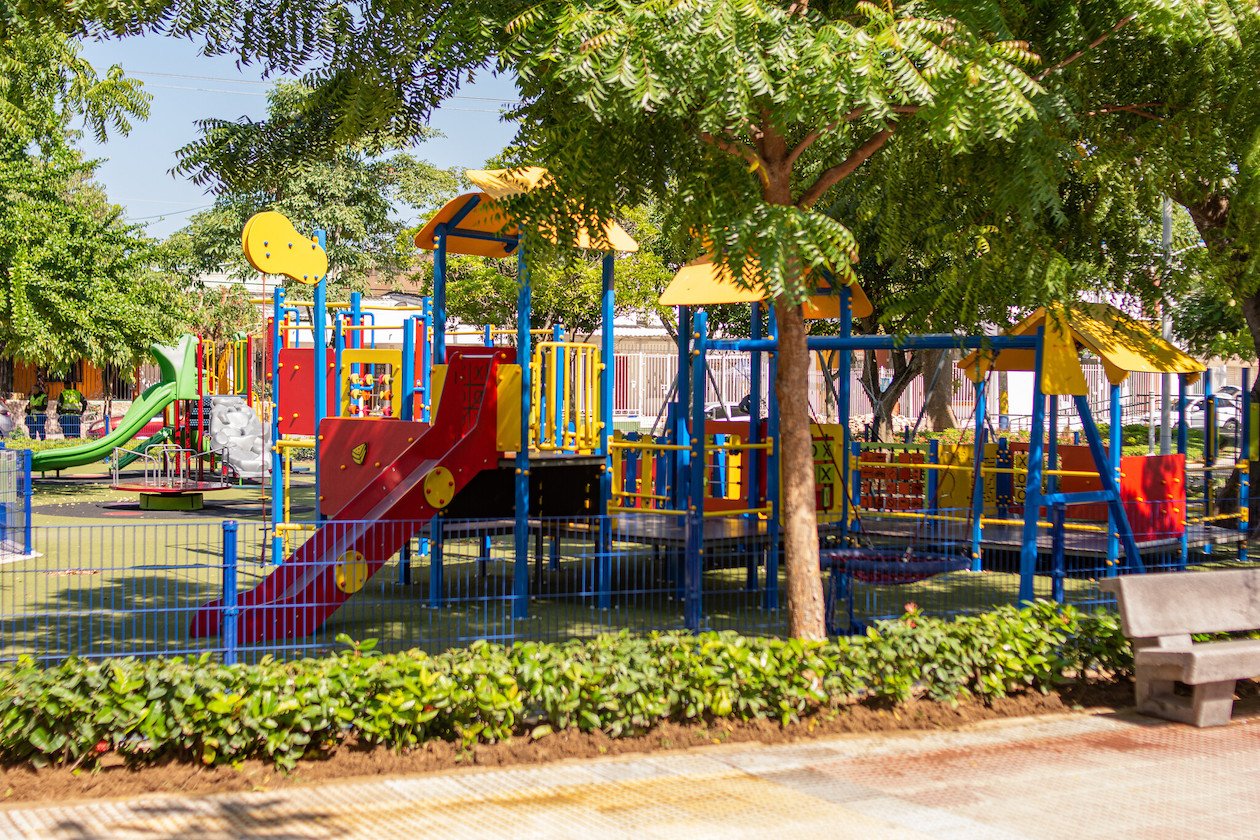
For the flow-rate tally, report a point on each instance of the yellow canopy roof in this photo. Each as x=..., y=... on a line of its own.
x=1123, y=343
x=489, y=218
x=700, y=282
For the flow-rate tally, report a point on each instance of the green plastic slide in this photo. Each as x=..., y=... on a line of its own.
x=178, y=367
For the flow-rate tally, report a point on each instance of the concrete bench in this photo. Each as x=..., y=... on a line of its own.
x=1159, y=612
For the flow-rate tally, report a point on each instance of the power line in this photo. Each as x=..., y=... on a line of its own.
x=269, y=84
x=252, y=93
x=172, y=213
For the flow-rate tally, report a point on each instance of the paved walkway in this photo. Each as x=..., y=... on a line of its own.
x=1079, y=777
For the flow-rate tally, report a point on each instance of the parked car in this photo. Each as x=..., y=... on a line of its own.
x=1228, y=413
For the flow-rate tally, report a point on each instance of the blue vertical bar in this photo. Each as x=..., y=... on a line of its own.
x=1004, y=483
x=932, y=480
x=426, y=360
x=27, y=492
x=1052, y=456
x=436, y=560
x=338, y=345
x=693, y=566
x=607, y=377
x=1115, y=442
x=771, y=600
x=977, y=479
x=487, y=337
x=844, y=400
x=753, y=456
x=277, y=467
x=1111, y=487
x=557, y=409
x=520, y=574
x=1058, y=565
x=230, y=609
x=1182, y=445
x=407, y=388
x=1244, y=483
x=680, y=459
x=1032, y=481
x=321, y=366
x=1209, y=444
x=439, y=298
x=356, y=320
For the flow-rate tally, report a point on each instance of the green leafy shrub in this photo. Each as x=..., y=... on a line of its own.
x=198, y=709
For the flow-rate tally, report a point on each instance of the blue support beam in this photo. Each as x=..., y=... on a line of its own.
x=321, y=364
x=1115, y=445
x=886, y=342
x=843, y=404
x=607, y=377
x=438, y=317
x=277, y=464
x=771, y=598
x=1032, y=481
x=1110, y=485
x=693, y=555
x=1244, y=457
x=407, y=388
x=977, y=479
x=520, y=574
x=1182, y=446
x=426, y=360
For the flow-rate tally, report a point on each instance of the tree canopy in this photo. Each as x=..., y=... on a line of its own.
x=75, y=278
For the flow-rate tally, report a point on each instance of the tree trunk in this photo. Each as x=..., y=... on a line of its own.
x=806, y=614
x=938, y=407
x=884, y=402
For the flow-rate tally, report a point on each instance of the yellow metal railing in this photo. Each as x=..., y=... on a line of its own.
x=564, y=397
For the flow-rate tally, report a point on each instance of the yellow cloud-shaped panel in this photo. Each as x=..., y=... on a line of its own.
x=273, y=246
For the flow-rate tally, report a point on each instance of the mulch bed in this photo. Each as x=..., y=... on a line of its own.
x=21, y=783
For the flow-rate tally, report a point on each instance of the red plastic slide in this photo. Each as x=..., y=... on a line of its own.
x=299, y=596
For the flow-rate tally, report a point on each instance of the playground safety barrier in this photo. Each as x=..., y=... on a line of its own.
x=15, y=504
x=134, y=590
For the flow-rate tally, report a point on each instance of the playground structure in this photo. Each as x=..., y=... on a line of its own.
x=407, y=439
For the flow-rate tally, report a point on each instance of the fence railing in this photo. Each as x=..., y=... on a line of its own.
x=139, y=589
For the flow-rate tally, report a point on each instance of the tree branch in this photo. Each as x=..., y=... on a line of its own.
x=840, y=171
x=1092, y=44
x=813, y=136
x=738, y=150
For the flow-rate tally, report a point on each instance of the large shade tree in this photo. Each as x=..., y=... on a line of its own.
x=743, y=116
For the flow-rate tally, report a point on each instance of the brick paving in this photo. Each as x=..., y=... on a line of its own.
x=1102, y=776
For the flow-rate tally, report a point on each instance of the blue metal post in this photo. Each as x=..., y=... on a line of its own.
x=771, y=599
x=1111, y=486
x=1058, y=566
x=321, y=366
x=1032, y=482
x=1052, y=456
x=844, y=400
x=977, y=480
x=339, y=341
x=230, y=609
x=277, y=465
x=932, y=482
x=607, y=376
x=1115, y=444
x=1182, y=445
x=426, y=360
x=407, y=388
x=1209, y=445
x=439, y=298
x=27, y=492
x=754, y=413
x=680, y=459
x=520, y=575
x=487, y=337
x=693, y=566
x=1244, y=449
x=557, y=410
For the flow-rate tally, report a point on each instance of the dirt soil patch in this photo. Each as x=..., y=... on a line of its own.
x=115, y=778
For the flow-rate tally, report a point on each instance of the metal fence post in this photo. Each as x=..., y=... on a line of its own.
x=26, y=500
x=230, y=609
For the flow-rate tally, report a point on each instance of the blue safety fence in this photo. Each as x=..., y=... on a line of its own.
x=186, y=588
x=15, y=504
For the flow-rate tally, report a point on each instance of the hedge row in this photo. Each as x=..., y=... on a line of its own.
x=201, y=710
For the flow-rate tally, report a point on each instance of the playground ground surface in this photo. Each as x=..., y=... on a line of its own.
x=1049, y=773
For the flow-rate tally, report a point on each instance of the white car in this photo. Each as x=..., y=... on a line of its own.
x=1228, y=414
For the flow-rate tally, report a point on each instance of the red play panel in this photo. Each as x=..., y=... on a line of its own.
x=342, y=471
x=297, y=390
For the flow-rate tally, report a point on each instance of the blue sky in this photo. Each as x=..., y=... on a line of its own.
x=187, y=86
